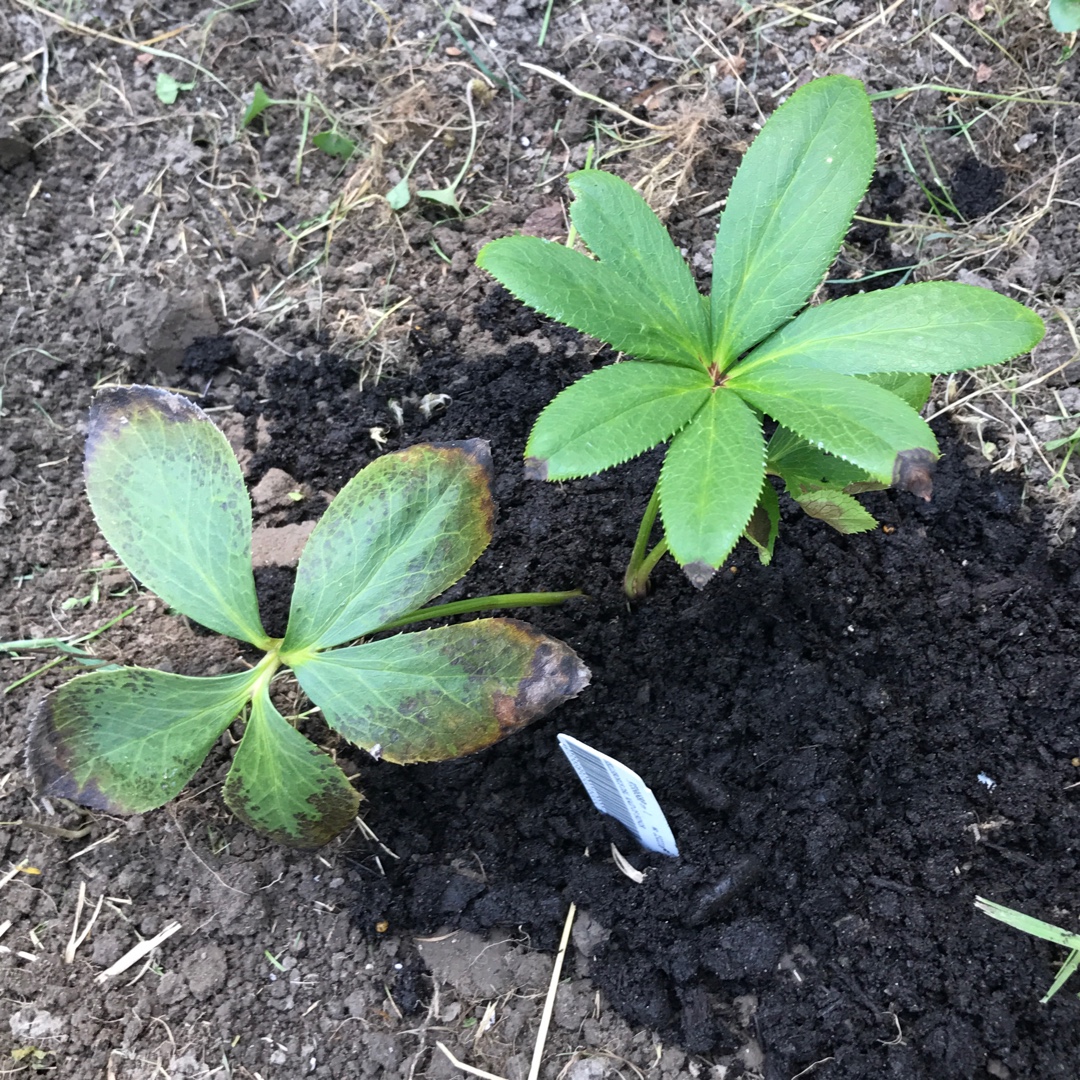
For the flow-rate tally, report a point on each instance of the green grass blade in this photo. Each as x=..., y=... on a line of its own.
x=284, y=786
x=619, y=228
x=403, y=530
x=438, y=694
x=128, y=740
x=790, y=205
x=169, y=497
x=710, y=484
x=612, y=415
x=1028, y=923
x=585, y=294
x=933, y=327
x=848, y=417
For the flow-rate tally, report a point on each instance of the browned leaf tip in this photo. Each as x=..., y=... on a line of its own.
x=117, y=406
x=699, y=573
x=913, y=471
x=536, y=468
x=555, y=675
x=49, y=768
x=478, y=451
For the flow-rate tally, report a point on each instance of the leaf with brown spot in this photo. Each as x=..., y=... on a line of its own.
x=438, y=694
x=169, y=497
x=284, y=786
x=403, y=530
x=128, y=740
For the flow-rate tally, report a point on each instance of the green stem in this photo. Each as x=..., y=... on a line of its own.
x=642, y=561
x=481, y=603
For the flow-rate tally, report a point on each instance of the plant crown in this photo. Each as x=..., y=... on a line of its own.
x=842, y=380
x=169, y=497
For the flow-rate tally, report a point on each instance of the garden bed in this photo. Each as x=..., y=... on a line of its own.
x=850, y=744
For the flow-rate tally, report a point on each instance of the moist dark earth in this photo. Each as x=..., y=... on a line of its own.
x=850, y=744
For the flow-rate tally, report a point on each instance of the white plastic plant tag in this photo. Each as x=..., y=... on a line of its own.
x=620, y=792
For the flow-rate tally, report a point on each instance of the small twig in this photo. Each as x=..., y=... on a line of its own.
x=97, y=843
x=134, y=955
x=467, y=1068
x=566, y=84
x=549, y=1004
x=78, y=938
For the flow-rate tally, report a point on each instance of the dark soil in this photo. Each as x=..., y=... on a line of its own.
x=850, y=744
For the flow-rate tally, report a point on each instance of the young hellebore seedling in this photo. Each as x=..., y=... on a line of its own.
x=842, y=381
x=169, y=497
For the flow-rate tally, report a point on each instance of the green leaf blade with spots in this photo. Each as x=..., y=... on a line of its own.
x=127, y=740
x=284, y=786
x=437, y=694
x=169, y=497
x=850, y=418
x=403, y=530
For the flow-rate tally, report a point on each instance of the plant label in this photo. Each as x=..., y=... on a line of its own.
x=621, y=793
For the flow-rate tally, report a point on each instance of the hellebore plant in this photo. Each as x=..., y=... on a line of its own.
x=169, y=497
x=841, y=381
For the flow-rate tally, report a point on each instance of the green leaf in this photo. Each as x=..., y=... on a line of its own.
x=168, y=89
x=764, y=525
x=611, y=415
x=710, y=484
x=619, y=228
x=169, y=497
x=260, y=102
x=1065, y=16
x=805, y=467
x=403, y=530
x=284, y=786
x=128, y=740
x=789, y=207
x=912, y=388
x=848, y=417
x=591, y=297
x=933, y=327
x=437, y=694
x=843, y=512
x=398, y=196
x=447, y=196
x=335, y=144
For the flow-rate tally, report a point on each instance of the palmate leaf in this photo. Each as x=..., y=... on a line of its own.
x=282, y=785
x=790, y=205
x=850, y=418
x=169, y=497
x=710, y=483
x=612, y=415
x=128, y=740
x=437, y=694
x=619, y=228
x=589, y=296
x=933, y=327
x=403, y=530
